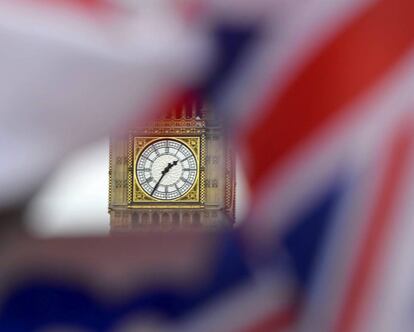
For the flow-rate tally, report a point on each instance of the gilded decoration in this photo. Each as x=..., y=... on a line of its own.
x=138, y=198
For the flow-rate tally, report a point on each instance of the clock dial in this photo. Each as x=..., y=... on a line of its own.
x=166, y=169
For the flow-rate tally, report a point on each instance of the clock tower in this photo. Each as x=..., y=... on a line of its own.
x=174, y=173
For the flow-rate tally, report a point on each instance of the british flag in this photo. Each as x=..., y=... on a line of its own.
x=319, y=95
x=318, y=98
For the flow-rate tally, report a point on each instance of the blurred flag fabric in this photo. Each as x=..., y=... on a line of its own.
x=318, y=98
x=146, y=282
x=328, y=149
x=74, y=71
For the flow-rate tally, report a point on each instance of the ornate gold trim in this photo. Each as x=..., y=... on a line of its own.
x=138, y=198
x=110, y=174
x=230, y=184
x=192, y=143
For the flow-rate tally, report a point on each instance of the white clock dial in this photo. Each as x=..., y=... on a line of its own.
x=166, y=169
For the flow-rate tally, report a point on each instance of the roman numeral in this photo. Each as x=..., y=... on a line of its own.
x=185, y=180
x=147, y=158
x=185, y=158
x=178, y=150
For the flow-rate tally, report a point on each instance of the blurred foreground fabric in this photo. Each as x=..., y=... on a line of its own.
x=317, y=97
x=148, y=282
x=75, y=71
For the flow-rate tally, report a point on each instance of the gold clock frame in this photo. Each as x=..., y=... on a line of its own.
x=138, y=198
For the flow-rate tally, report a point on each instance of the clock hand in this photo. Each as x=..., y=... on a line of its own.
x=164, y=171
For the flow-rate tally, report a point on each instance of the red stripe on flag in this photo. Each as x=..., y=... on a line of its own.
x=277, y=321
x=191, y=10
x=379, y=225
x=345, y=68
x=87, y=4
x=93, y=7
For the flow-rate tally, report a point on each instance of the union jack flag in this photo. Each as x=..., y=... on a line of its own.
x=318, y=98
x=319, y=95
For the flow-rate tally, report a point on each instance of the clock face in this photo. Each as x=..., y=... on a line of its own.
x=166, y=169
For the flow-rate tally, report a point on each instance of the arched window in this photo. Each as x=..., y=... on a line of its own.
x=186, y=219
x=155, y=219
x=165, y=219
x=145, y=219
x=196, y=219
x=176, y=219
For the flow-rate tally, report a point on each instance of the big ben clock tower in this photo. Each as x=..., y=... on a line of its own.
x=174, y=173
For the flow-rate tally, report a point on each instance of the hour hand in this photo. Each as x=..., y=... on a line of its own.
x=168, y=167
x=164, y=171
